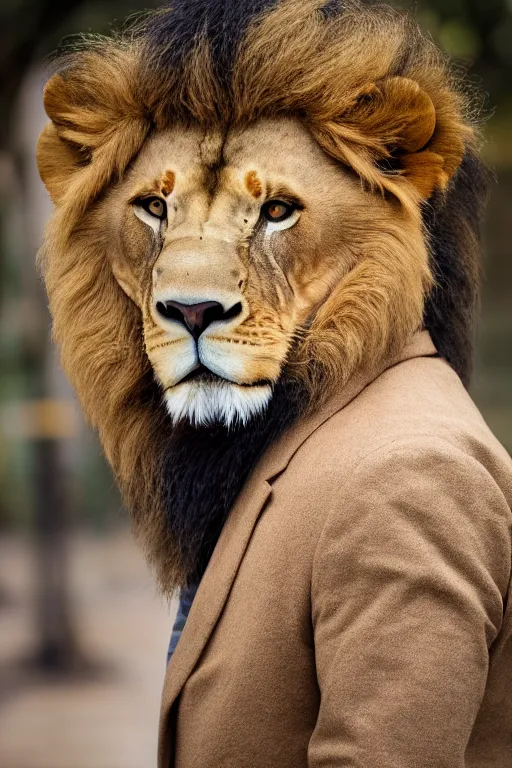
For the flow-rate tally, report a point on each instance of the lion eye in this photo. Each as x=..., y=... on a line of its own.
x=154, y=205
x=277, y=210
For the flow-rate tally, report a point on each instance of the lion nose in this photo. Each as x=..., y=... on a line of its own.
x=196, y=317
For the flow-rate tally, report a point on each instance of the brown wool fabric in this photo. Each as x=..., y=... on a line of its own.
x=354, y=612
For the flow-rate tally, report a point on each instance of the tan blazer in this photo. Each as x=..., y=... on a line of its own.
x=354, y=612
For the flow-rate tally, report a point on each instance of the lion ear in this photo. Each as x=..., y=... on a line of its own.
x=421, y=142
x=95, y=121
x=57, y=160
x=63, y=146
x=397, y=112
x=394, y=124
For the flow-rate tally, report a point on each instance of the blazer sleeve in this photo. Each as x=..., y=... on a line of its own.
x=409, y=579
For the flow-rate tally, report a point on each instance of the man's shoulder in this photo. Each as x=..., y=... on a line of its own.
x=415, y=406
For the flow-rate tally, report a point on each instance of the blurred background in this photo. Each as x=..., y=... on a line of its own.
x=83, y=634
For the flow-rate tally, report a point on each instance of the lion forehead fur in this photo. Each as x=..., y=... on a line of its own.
x=345, y=110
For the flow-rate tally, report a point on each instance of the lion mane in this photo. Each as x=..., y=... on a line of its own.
x=379, y=98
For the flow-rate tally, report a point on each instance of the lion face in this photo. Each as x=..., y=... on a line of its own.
x=228, y=244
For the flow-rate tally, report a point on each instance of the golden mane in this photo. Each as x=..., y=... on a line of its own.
x=377, y=96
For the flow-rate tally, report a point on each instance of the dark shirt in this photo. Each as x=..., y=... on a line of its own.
x=187, y=595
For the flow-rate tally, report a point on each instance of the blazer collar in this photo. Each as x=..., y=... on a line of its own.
x=216, y=583
x=278, y=456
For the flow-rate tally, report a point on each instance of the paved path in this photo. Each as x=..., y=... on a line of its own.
x=108, y=721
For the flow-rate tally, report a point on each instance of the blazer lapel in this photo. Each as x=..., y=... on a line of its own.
x=210, y=598
x=218, y=578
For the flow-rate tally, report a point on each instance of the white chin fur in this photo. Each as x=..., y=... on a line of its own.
x=216, y=402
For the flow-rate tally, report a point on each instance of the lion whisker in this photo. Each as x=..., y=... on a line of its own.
x=168, y=343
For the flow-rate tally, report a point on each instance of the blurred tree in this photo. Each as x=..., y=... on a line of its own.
x=29, y=31
x=476, y=32
x=27, y=28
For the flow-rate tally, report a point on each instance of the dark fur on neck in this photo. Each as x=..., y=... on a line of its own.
x=201, y=472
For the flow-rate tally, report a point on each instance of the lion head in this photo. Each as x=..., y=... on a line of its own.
x=249, y=196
